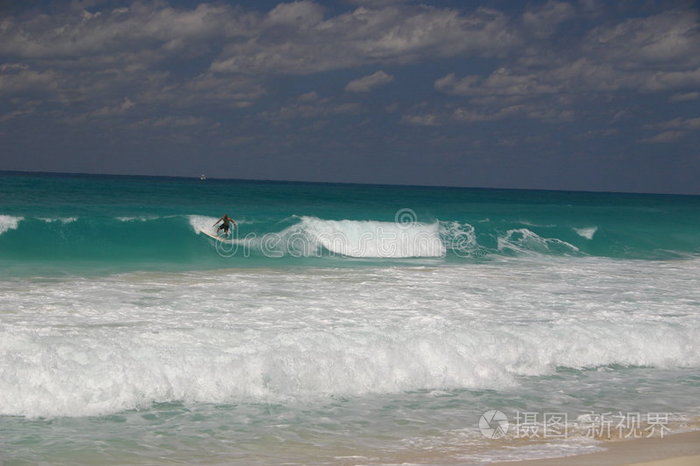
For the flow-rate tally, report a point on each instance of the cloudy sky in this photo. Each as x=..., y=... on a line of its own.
x=581, y=95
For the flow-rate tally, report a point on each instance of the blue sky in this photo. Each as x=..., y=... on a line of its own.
x=579, y=95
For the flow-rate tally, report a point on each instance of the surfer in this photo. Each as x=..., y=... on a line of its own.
x=226, y=225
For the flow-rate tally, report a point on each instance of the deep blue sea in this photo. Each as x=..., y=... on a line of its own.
x=339, y=324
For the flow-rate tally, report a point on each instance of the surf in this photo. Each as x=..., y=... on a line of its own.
x=116, y=224
x=9, y=222
x=120, y=342
x=152, y=241
x=347, y=238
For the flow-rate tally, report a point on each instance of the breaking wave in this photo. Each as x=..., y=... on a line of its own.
x=8, y=222
x=177, y=239
x=102, y=371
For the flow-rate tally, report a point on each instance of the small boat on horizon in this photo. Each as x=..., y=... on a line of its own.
x=203, y=177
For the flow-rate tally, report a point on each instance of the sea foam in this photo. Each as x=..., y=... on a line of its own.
x=9, y=222
x=85, y=347
x=201, y=223
x=525, y=241
x=311, y=236
x=587, y=232
x=63, y=220
x=103, y=371
x=373, y=239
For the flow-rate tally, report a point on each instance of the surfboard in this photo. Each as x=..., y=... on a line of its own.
x=223, y=239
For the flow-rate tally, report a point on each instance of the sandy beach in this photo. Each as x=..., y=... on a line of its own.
x=673, y=450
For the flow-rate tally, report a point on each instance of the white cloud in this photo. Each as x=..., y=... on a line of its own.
x=70, y=33
x=118, y=109
x=92, y=58
x=666, y=136
x=375, y=3
x=97, y=55
x=684, y=97
x=221, y=55
x=309, y=97
x=370, y=82
x=690, y=124
x=178, y=121
x=503, y=81
x=657, y=53
x=550, y=110
x=428, y=119
x=673, y=130
x=668, y=80
x=581, y=75
x=15, y=77
x=472, y=115
x=671, y=37
x=544, y=20
x=230, y=91
x=301, y=14
x=22, y=109
x=597, y=134
x=398, y=34
x=311, y=105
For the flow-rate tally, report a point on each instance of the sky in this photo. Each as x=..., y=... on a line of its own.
x=573, y=95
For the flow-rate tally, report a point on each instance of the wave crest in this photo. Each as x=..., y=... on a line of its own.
x=9, y=222
x=374, y=239
x=524, y=241
x=103, y=372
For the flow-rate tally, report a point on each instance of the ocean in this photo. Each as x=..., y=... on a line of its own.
x=339, y=324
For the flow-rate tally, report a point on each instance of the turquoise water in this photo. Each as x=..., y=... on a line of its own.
x=101, y=223
x=338, y=324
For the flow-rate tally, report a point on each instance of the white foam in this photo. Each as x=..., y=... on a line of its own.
x=374, y=239
x=312, y=236
x=9, y=222
x=83, y=347
x=525, y=241
x=101, y=370
x=141, y=218
x=63, y=220
x=587, y=232
x=460, y=238
x=201, y=223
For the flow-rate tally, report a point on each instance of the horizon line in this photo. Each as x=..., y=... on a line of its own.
x=351, y=183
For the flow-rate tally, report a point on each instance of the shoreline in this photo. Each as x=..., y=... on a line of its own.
x=676, y=449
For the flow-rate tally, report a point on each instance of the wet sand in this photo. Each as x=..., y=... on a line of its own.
x=673, y=450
